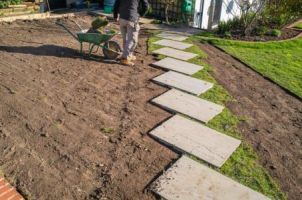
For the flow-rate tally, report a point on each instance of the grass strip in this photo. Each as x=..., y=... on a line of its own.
x=243, y=166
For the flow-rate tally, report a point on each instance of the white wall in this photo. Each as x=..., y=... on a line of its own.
x=206, y=13
x=229, y=10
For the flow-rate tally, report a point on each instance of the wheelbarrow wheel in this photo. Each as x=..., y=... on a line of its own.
x=111, y=50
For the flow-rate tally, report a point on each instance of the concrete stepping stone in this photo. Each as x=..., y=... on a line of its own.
x=178, y=66
x=183, y=82
x=174, y=53
x=173, y=44
x=188, y=179
x=172, y=36
x=192, y=106
x=196, y=139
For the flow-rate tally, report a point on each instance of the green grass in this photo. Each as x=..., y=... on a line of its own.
x=299, y=25
x=243, y=166
x=280, y=61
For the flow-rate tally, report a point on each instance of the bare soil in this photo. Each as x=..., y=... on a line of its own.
x=73, y=127
x=273, y=124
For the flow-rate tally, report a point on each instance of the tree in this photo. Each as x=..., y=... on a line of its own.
x=250, y=10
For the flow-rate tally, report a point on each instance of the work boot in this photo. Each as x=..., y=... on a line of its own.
x=127, y=62
x=133, y=58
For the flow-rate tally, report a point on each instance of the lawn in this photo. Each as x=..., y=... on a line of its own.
x=279, y=61
x=243, y=166
x=299, y=25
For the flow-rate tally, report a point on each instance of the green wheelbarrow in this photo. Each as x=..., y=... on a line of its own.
x=111, y=49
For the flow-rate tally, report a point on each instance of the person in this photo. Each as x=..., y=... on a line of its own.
x=126, y=12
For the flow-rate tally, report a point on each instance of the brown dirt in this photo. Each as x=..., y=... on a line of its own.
x=274, y=118
x=74, y=128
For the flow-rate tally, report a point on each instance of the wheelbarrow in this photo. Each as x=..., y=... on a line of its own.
x=111, y=49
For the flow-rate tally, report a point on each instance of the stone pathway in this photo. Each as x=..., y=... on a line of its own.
x=187, y=178
x=173, y=44
x=183, y=82
x=174, y=53
x=196, y=139
x=192, y=106
x=7, y=192
x=172, y=36
x=178, y=66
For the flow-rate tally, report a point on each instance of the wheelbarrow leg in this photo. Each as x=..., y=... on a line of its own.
x=81, y=48
x=91, y=48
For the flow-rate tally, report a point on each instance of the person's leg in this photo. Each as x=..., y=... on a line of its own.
x=133, y=31
x=123, y=28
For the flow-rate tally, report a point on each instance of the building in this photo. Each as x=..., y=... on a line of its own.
x=208, y=13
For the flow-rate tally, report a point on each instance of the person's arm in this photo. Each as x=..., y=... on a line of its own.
x=145, y=7
x=116, y=9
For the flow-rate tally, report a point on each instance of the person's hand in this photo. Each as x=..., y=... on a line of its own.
x=116, y=20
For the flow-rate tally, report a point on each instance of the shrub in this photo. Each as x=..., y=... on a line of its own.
x=6, y=3
x=279, y=13
x=276, y=33
x=260, y=30
x=227, y=34
x=223, y=27
x=232, y=25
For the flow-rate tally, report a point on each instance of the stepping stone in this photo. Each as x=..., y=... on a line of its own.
x=183, y=82
x=172, y=36
x=174, y=53
x=173, y=44
x=196, y=139
x=188, y=179
x=192, y=106
x=178, y=65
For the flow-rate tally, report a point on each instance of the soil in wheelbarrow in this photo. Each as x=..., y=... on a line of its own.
x=72, y=127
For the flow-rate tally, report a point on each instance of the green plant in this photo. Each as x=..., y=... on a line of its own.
x=224, y=27
x=276, y=33
x=107, y=130
x=260, y=30
x=227, y=34
x=279, y=13
x=6, y=3
x=232, y=25
x=298, y=26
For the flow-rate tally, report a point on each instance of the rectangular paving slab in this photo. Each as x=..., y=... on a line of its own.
x=188, y=179
x=183, y=82
x=172, y=36
x=178, y=66
x=192, y=106
x=174, y=53
x=196, y=139
x=173, y=44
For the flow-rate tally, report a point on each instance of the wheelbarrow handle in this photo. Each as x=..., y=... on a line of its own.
x=71, y=33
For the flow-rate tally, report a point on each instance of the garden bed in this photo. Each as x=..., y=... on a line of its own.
x=73, y=127
x=286, y=34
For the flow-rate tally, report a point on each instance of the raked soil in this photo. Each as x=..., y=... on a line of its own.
x=273, y=124
x=72, y=127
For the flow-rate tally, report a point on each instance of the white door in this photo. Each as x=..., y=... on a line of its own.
x=198, y=13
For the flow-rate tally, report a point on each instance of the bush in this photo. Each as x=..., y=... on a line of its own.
x=279, y=13
x=260, y=30
x=223, y=27
x=6, y=3
x=233, y=25
x=276, y=33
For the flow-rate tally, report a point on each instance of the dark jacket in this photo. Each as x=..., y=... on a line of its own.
x=129, y=9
